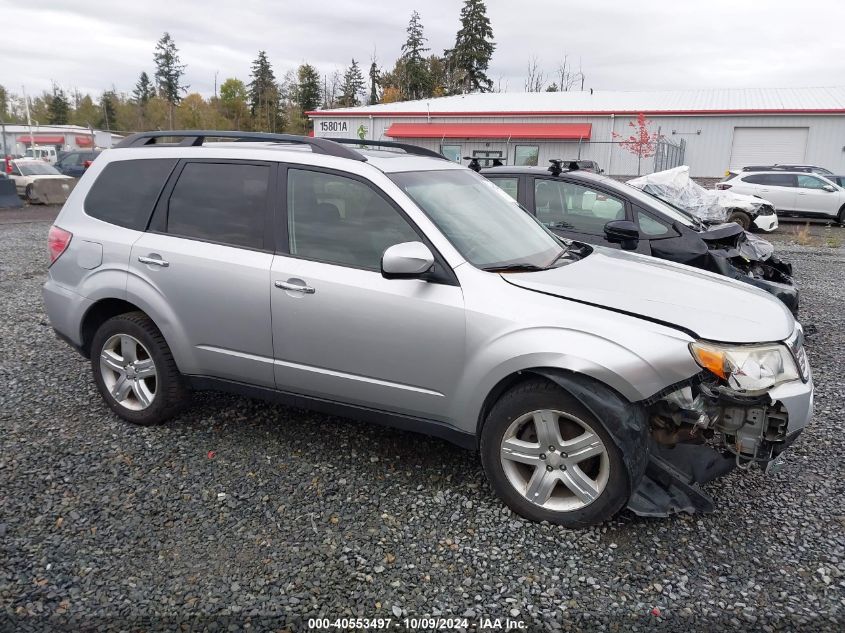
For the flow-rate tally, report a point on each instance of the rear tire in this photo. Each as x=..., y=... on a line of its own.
x=549, y=459
x=741, y=218
x=135, y=371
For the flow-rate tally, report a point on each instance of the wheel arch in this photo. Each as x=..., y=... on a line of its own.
x=631, y=431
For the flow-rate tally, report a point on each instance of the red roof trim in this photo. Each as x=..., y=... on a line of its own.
x=341, y=113
x=573, y=131
x=41, y=139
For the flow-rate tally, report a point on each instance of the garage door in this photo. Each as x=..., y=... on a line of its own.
x=768, y=146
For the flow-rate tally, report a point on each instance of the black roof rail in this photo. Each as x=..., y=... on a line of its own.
x=195, y=138
x=407, y=147
x=556, y=167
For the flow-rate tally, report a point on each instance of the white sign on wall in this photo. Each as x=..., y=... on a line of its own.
x=334, y=126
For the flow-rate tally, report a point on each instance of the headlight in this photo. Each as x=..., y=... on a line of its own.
x=747, y=368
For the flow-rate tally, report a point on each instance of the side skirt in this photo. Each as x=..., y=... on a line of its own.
x=425, y=426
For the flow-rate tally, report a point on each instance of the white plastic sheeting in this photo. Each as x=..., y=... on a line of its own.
x=710, y=205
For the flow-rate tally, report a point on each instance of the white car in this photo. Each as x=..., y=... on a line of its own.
x=793, y=193
x=26, y=171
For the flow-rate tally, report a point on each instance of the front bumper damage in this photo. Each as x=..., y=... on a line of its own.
x=702, y=431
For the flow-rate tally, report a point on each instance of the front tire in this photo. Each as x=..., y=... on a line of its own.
x=549, y=459
x=27, y=194
x=741, y=218
x=841, y=217
x=135, y=371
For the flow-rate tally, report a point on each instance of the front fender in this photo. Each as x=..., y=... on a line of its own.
x=658, y=358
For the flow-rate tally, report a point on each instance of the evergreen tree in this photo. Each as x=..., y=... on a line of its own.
x=144, y=90
x=470, y=57
x=307, y=93
x=374, y=83
x=352, y=87
x=415, y=79
x=264, y=94
x=58, y=109
x=4, y=104
x=108, y=110
x=169, y=71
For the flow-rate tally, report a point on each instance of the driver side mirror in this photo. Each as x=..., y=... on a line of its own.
x=622, y=232
x=829, y=188
x=408, y=260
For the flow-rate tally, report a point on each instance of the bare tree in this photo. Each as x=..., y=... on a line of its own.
x=535, y=79
x=567, y=77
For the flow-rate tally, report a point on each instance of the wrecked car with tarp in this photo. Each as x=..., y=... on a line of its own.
x=595, y=209
x=713, y=206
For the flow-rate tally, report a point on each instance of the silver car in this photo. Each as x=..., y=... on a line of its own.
x=388, y=284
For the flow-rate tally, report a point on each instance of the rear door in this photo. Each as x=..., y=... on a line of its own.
x=207, y=255
x=777, y=188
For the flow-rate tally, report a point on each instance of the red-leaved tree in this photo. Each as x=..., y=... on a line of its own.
x=642, y=143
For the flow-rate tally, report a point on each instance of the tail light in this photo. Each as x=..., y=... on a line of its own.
x=8, y=164
x=723, y=185
x=57, y=242
x=86, y=164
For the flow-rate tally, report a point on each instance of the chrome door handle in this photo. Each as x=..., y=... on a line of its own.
x=308, y=290
x=153, y=261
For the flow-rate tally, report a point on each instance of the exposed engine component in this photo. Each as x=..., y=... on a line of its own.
x=751, y=428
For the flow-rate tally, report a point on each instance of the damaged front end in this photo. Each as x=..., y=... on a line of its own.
x=728, y=250
x=744, y=418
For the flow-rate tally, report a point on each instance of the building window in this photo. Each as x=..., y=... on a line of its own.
x=526, y=155
x=488, y=158
x=452, y=152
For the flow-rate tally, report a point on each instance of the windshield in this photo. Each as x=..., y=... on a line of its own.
x=38, y=169
x=667, y=209
x=482, y=222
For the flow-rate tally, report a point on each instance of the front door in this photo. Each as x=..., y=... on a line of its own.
x=813, y=198
x=206, y=256
x=343, y=332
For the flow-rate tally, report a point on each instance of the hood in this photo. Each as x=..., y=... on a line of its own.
x=712, y=307
x=48, y=177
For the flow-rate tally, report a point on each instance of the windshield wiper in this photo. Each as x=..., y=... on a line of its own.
x=513, y=268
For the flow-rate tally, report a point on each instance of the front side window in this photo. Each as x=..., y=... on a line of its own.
x=566, y=205
x=339, y=220
x=810, y=182
x=771, y=180
x=509, y=185
x=220, y=202
x=452, y=152
x=481, y=221
x=526, y=155
x=71, y=160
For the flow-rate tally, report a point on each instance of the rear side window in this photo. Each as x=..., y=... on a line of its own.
x=220, y=202
x=126, y=191
x=774, y=180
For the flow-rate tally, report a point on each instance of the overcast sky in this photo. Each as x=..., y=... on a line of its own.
x=642, y=45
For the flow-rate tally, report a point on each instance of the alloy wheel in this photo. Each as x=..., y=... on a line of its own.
x=555, y=460
x=129, y=372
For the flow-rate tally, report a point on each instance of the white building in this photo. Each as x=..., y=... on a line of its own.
x=15, y=139
x=720, y=129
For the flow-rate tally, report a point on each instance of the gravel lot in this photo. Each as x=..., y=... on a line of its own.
x=241, y=514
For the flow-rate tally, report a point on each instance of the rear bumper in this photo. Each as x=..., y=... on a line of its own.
x=766, y=223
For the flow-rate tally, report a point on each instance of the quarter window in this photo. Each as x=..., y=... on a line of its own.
x=526, y=155
x=220, y=202
x=565, y=205
x=339, y=220
x=651, y=227
x=126, y=191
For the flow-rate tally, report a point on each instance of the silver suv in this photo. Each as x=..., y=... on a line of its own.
x=388, y=284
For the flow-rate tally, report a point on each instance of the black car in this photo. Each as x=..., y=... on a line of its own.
x=75, y=163
x=837, y=180
x=591, y=208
